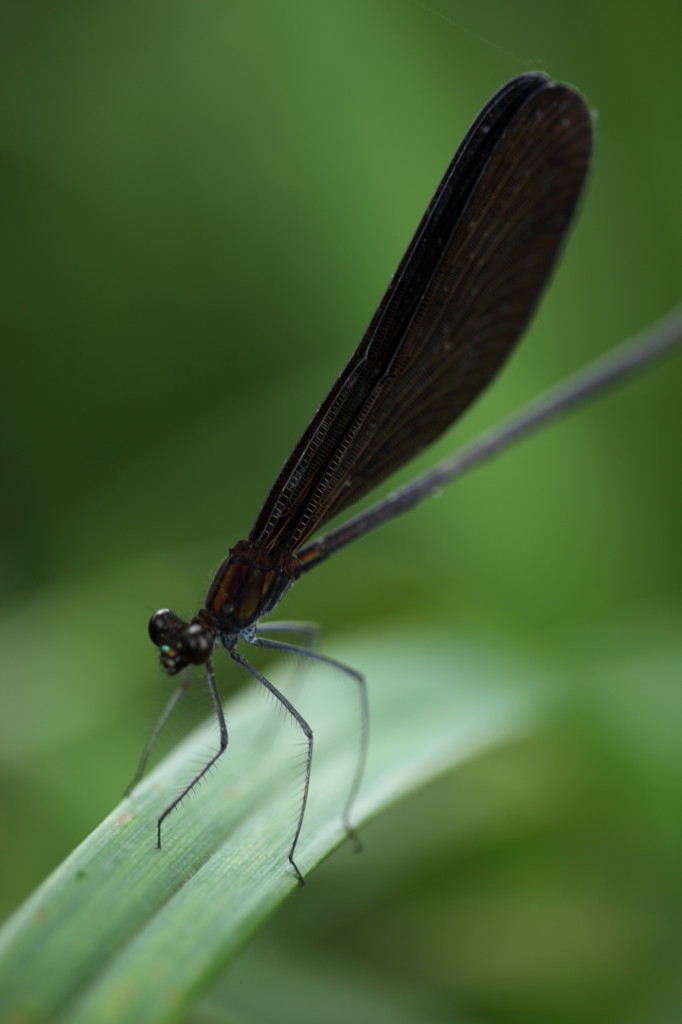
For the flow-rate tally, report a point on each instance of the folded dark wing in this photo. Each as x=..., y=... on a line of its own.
x=461, y=297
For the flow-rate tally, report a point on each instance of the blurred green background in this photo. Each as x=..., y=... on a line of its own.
x=201, y=207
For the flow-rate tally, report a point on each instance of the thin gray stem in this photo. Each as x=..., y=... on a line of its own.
x=628, y=358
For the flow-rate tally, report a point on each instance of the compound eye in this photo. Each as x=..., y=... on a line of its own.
x=197, y=644
x=161, y=624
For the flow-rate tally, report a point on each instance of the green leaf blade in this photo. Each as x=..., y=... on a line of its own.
x=125, y=932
